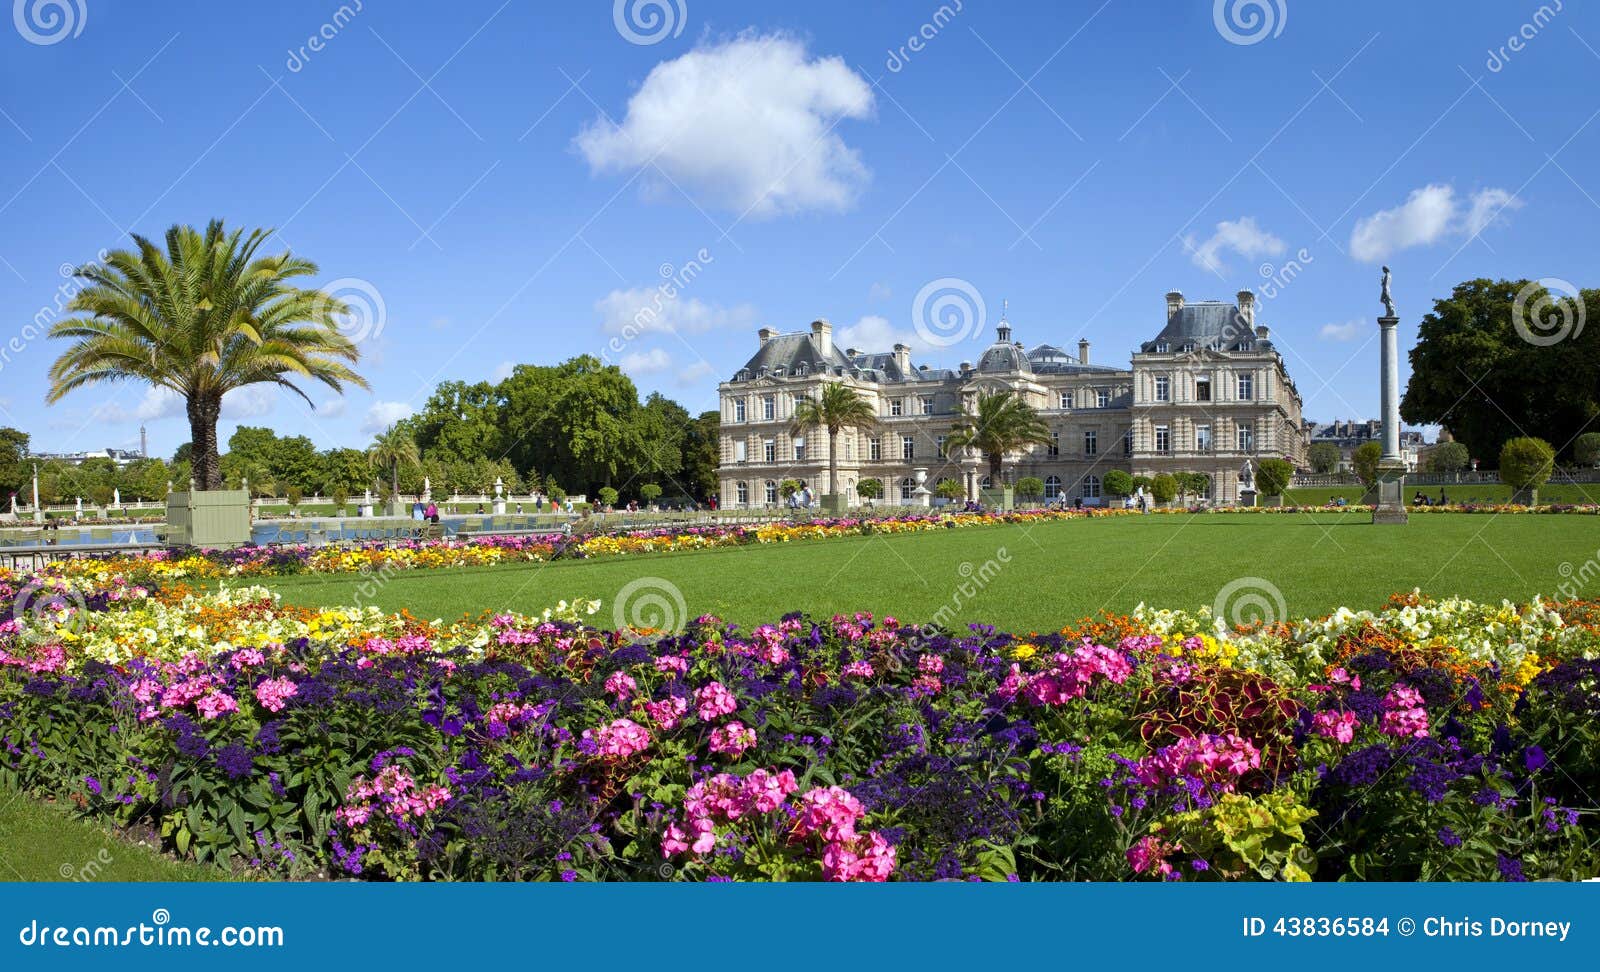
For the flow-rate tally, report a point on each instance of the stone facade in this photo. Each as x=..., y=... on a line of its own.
x=1207, y=394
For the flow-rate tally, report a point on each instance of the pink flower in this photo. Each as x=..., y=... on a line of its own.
x=215, y=704
x=619, y=740
x=930, y=664
x=714, y=700
x=622, y=685
x=1340, y=726
x=857, y=669
x=1071, y=675
x=245, y=657
x=674, y=841
x=1149, y=856
x=831, y=811
x=732, y=739
x=271, y=693
x=672, y=663
x=667, y=712
x=1404, y=714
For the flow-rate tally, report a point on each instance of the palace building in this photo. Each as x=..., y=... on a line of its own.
x=1207, y=394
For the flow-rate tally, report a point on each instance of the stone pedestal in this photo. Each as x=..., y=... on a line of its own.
x=1247, y=497
x=211, y=518
x=1000, y=499
x=834, y=504
x=1390, y=488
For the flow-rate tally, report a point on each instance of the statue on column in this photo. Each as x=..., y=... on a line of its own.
x=1247, y=476
x=1386, y=297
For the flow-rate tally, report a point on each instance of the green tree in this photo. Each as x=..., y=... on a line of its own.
x=1325, y=457
x=1273, y=476
x=608, y=496
x=343, y=470
x=1002, y=423
x=391, y=450
x=460, y=421
x=838, y=407
x=789, y=487
x=1475, y=370
x=574, y=421
x=702, y=454
x=950, y=489
x=16, y=473
x=649, y=492
x=870, y=489
x=1586, y=449
x=1365, y=460
x=1030, y=487
x=200, y=319
x=1117, y=482
x=1448, y=457
x=655, y=439
x=1526, y=463
x=1164, y=488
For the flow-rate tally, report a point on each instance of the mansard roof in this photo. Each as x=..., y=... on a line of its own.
x=1206, y=323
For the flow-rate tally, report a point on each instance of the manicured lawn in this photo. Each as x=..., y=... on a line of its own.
x=1043, y=575
x=1461, y=493
x=40, y=842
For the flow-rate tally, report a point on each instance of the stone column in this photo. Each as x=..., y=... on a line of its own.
x=1391, y=506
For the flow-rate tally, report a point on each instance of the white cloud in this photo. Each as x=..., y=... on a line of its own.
x=641, y=309
x=384, y=414
x=1428, y=215
x=1243, y=237
x=332, y=408
x=1348, y=331
x=646, y=362
x=696, y=374
x=251, y=401
x=502, y=371
x=879, y=291
x=748, y=123
x=874, y=334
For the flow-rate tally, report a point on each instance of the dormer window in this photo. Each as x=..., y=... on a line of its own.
x=1188, y=347
x=1162, y=347
x=800, y=368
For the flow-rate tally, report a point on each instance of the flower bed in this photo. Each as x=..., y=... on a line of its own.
x=1447, y=740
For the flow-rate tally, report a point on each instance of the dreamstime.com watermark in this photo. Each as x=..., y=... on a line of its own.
x=1577, y=578
x=1247, y=22
x=1250, y=601
x=918, y=42
x=650, y=606
x=1518, y=41
x=651, y=313
x=975, y=579
x=159, y=932
x=948, y=311
x=1548, y=311
x=71, y=285
x=647, y=22
x=46, y=22
x=89, y=870
x=318, y=41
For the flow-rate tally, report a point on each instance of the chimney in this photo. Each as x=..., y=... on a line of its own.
x=1083, y=351
x=1174, y=303
x=966, y=367
x=902, y=358
x=766, y=334
x=822, y=337
x=1247, y=308
x=1263, y=332
x=851, y=352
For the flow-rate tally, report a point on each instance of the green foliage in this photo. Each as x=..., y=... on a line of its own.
x=1526, y=463
x=1449, y=457
x=1475, y=372
x=1248, y=837
x=391, y=451
x=1195, y=484
x=1273, y=476
x=789, y=487
x=1365, y=460
x=838, y=407
x=1030, y=487
x=1117, y=482
x=1002, y=423
x=15, y=472
x=1586, y=450
x=1324, y=457
x=203, y=317
x=294, y=495
x=649, y=492
x=950, y=489
x=870, y=489
x=1164, y=488
x=608, y=496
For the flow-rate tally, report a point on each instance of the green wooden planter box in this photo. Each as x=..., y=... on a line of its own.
x=209, y=518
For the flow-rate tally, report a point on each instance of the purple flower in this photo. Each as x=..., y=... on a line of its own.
x=1448, y=837
x=93, y=785
x=1534, y=759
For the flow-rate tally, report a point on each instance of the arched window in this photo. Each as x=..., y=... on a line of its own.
x=985, y=483
x=1052, y=487
x=1091, y=487
x=908, y=489
x=772, y=493
x=743, y=491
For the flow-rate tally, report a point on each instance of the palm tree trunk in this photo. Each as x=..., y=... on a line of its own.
x=396, y=478
x=995, y=459
x=203, y=413
x=833, y=462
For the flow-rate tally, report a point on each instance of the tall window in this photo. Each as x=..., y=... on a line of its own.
x=769, y=450
x=1247, y=438
x=743, y=490
x=1163, y=347
x=875, y=448
x=897, y=406
x=1052, y=487
x=1066, y=399
x=741, y=450
x=799, y=448
x=908, y=447
x=1054, y=448
x=1091, y=442
x=1202, y=389
x=941, y=442
x=1091, y=487
x=927, y=404
x=769, y=407
x=1247, y=386
x=908, y=490
x=1163, y=388
x=1202, y=438
x=1163, y=439
x=1127, y=442
x=772, y=493
x=738, y=410
x=1102, y=398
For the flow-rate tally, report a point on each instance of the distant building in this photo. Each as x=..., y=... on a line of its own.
x=1208, y=394
x=121, y=457
x=1349, y=436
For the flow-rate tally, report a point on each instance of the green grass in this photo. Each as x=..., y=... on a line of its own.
x=1461, y=493
x=1047, y=574
x=41, y=842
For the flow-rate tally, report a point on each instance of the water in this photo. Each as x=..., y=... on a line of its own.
x=262, y=534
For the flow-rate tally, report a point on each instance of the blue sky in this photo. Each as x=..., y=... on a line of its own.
x=514, y=181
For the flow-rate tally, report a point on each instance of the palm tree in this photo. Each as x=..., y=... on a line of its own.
x=837, y=408
x=394, y=448
x=200, y=319
x=1003, y=423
